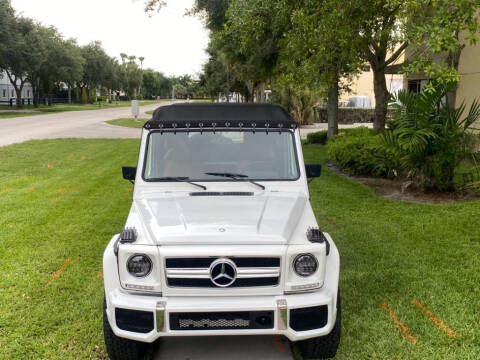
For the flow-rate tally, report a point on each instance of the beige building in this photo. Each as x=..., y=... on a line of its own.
x=469, y=72
x=362, y=85
x=468, y=87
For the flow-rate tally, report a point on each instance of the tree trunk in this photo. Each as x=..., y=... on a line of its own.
x=249, y=93
x=332, y=109
x=453, y=61
x=18, y=91
x=228, y=86
x=35, y=87
x=69, y=94
x=381, y=99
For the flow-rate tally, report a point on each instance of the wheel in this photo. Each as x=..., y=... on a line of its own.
x=323, y=347
x=119, y=348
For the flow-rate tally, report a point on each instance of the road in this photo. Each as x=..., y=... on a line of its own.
x=70, y=124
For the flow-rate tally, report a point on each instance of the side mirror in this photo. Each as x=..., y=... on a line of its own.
x=313, y=170
x=129, y=173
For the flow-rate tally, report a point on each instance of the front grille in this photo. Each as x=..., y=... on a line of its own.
x=222, y=320
x=195, y=272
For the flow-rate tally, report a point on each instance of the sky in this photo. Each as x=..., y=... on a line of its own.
x=170, y=41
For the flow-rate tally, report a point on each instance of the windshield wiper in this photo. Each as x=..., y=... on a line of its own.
x=236, y=177
x=178, y=179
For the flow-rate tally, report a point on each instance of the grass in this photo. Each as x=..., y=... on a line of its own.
x=128, y=122
x=8, y=115
x=67, y=200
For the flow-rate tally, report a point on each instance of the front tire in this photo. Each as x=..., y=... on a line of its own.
x=119, y=348
x=323, y=347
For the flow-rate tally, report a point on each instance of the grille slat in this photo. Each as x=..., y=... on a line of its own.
x=195, y=272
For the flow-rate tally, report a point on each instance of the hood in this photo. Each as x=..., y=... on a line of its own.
x=268, y=218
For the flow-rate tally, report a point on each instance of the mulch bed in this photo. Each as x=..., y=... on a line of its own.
x=395, y=189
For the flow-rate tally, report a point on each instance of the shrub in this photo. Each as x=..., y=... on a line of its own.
x=358, y=131
x=299, y=102
x=347, y=115
x=319, y=137
x=430, y=139
x=360, y=152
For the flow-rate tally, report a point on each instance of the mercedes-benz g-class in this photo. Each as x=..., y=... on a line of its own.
x=221, y=238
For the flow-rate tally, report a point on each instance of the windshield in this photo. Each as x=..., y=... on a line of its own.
x=251, y=156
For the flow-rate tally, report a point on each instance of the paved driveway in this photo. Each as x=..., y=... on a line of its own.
x=71, y=124
x=223, y=347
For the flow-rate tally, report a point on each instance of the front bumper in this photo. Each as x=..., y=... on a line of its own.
x=279, y=306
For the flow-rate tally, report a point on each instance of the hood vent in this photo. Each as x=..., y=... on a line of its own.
x=218, y=193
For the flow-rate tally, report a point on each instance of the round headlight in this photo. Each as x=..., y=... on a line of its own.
x=139, y=265
x=305, y=265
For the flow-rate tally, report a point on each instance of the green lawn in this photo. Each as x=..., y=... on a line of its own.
x=67, y=200
x=128, y=122
x=8, y=115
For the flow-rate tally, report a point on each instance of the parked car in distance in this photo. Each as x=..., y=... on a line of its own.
x=221, y=238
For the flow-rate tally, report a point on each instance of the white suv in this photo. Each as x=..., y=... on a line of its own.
x=221, y=238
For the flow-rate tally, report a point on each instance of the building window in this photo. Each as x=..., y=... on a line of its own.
x=28, y=93
x=366, y=68
x=416, y=86
x=4, y=93
x=12, y=94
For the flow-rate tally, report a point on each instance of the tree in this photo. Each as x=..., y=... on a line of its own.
x=62, y=63
x=213, y=78
x=250, y=41
x=97, y=68
x=71, y=65
x=25, y=55
x=383, y=36
x=7, y=30
x=185, y=86
x=131, y=76
x=150, y=84
x=322, y=53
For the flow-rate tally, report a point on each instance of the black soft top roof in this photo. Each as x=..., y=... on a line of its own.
x=225, y=115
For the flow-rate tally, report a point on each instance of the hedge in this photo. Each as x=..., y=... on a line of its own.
x=359, y=152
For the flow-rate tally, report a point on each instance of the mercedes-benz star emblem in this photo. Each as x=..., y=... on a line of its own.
x=223, y=272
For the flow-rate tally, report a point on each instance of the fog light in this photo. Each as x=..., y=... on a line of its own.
x=306, y=287
x=305, y=265
x=139, y=287
x=139, y=265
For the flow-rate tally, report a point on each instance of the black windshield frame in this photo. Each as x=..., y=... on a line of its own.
x=272, y=132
